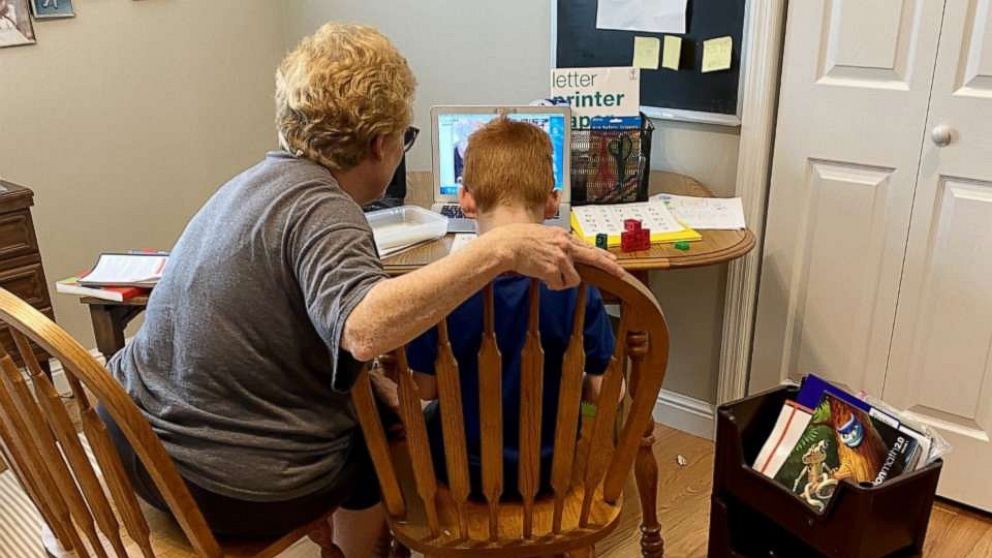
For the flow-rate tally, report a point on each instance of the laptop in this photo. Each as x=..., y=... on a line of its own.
x=450, y=128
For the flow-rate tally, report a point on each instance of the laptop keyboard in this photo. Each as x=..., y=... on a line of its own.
x=452, y=211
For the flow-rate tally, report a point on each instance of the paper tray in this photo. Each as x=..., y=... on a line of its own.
x=404, y=226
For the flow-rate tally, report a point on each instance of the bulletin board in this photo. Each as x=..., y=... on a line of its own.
x=686, y=94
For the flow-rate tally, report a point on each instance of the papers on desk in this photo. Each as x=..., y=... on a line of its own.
x=705, y=213
x=461, y=240
x=590, y=220
x=650, y=16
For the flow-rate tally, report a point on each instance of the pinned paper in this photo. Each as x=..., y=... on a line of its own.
x=648, y=16
x=673, y=52
x=646, y=51
x=717, y=54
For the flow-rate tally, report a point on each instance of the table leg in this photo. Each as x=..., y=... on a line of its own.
x=109, y=322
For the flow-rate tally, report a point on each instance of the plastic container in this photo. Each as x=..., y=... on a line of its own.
x=753, y=516
x=406, y=225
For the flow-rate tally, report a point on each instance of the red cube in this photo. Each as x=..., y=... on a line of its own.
x=632, y=224
x=635, y=240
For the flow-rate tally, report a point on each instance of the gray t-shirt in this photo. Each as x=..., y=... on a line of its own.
x=238, y=366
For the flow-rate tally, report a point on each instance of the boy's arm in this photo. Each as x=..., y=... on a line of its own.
x=600, y=344
x=592, y=385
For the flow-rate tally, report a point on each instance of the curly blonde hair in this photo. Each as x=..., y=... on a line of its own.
x=340, y=88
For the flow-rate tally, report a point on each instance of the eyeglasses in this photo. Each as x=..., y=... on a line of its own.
x=410, y=137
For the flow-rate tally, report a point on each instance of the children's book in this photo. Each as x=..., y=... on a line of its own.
x=843, y=442
x=789, y=427
x=814, y=387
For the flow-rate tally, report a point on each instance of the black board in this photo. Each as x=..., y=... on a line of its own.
x=580, y=45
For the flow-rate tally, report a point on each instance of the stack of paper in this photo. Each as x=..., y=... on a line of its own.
x=705, y=213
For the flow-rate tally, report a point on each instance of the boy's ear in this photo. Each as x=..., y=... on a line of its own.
x=551, y=205
x=467, y=201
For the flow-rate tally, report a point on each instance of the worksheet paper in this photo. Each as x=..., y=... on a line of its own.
x=650, y=16
x=705, y=213
x=595, y=219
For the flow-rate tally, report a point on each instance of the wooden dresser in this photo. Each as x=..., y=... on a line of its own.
x=20, y=262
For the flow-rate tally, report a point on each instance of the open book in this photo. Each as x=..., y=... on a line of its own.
x=126, y=270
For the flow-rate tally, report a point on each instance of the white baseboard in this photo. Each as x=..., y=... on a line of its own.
x=685, y=413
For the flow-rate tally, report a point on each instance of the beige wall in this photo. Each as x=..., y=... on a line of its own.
x=499, y=53
x=124, y=120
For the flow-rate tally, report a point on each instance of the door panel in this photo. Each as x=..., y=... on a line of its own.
x=855, y=87
x=869, y=41
x=832, y=287
x=941, y=361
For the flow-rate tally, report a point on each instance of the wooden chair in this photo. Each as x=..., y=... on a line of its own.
x=441, y=521
x=78, y=501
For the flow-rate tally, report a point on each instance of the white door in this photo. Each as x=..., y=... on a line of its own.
x=852, y=116
x=941, y=361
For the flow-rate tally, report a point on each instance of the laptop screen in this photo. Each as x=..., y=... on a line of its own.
x=455, y=128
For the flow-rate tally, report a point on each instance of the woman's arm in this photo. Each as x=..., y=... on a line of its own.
x=396, y=310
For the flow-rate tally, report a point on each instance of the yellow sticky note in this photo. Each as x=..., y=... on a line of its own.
x=646, y=51
x=673, y=52
x=717, y=54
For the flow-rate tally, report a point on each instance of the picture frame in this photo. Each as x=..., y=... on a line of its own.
x=52, y=9
x=16, y=28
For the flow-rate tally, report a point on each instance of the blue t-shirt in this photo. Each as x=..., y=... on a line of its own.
x=512, y=305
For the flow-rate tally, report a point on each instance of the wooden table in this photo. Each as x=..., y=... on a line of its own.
x=715, y=246
x=111, y=318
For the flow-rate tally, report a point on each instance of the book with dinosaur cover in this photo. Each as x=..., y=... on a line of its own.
x=843, y=442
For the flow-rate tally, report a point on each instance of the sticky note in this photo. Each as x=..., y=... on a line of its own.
x=673, y=52
x=646, y=51
x=717, y=54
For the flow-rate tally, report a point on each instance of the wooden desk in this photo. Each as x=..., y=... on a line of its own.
x=715, y=246
x=111, y=318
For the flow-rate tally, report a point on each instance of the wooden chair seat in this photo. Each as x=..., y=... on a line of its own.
x=77, y=481
x=414, y=533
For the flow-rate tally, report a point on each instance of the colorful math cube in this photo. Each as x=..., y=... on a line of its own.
x=602, y=241
x=632, y=224
x=682, y=245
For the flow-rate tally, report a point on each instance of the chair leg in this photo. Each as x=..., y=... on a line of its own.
x=646, y=474
x=323, y=536
x=397, y=550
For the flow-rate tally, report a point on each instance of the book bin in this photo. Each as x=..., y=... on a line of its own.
x=753, y=516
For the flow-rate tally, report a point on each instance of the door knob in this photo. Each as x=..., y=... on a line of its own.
x=942, y=135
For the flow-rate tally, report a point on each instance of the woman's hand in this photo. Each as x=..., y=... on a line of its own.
x=548, y=253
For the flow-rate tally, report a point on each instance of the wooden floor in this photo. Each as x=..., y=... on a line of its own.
x=684, y=508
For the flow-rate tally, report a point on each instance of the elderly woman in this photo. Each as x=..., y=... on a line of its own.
x=275, y=295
